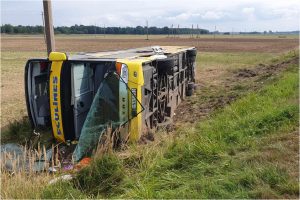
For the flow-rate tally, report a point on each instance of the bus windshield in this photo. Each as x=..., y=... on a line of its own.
x=110, y=106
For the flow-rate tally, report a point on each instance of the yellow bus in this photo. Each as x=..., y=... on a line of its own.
x=138, y=89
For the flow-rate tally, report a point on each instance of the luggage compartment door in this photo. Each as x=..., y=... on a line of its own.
x=82, y=93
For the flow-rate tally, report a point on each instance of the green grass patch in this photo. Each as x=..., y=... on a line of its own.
x=21, y=132
x=101, y=177
x=62, y=190
x=17, y=131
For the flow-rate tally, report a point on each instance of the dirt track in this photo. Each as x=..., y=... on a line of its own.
x=77, y=44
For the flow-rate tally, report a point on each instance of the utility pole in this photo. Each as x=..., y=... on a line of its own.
x=42, y=14
x=49, y=30
x=172, y=30
x=104, y=30
x=192, y=30
x=178, y=31
x=147, y=30
x=198, y=31
x=215, y=32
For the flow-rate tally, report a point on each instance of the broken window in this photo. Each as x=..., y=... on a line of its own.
x=109, y=107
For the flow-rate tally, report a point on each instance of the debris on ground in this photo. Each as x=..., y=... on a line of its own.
x=66, y=177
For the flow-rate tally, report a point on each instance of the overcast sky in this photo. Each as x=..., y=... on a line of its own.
x=226, y=15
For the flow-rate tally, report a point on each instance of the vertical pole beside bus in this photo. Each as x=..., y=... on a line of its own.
x=49, y=30
x=147, y=30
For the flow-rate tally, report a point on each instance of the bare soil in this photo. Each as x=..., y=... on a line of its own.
x=92, y=44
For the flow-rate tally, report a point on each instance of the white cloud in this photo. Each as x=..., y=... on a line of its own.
x=288, y=13
x=248, y=11
x=212, y=15
x=237, y=14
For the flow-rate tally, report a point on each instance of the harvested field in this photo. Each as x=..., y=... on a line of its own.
x=99, y=43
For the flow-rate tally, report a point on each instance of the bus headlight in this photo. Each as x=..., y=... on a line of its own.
x=122, y=70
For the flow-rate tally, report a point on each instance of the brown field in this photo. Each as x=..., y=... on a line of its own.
x=99, y=43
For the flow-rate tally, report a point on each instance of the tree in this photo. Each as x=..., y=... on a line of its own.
x=7, y=28
x=82, y=29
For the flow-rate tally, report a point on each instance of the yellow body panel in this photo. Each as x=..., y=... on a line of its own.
x=57, y=56
x=135, y=82
x=55, y=102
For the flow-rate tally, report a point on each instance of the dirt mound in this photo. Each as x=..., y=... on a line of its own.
x=246, y=73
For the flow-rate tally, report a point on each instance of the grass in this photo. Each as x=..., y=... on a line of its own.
x=62, y=190
x=101, y=177
x=233, y=60
x=21, y=181
x=22, y=186
x=17, y=131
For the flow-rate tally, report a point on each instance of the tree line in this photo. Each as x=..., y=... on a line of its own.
x=82, y=29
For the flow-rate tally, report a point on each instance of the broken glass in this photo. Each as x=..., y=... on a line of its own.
x=109, y=107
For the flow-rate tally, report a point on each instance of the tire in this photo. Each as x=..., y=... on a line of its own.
x=189, y=92
x=165, y=66
x=191, y=53
x=192, y=58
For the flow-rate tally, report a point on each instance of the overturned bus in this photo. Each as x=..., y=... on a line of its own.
x=138, y=89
